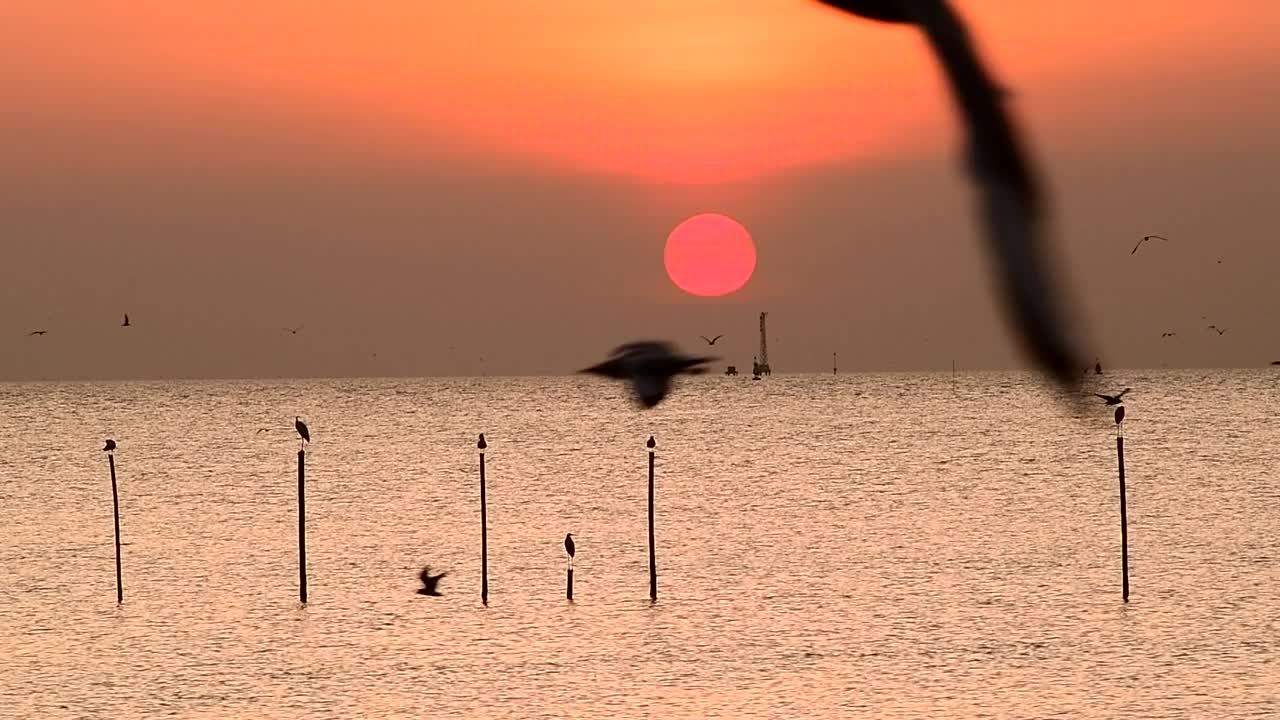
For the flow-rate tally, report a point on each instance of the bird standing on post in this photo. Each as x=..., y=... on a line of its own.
x=568, y=547
x=1119, y=418
x=111, y=446
x=302, y=429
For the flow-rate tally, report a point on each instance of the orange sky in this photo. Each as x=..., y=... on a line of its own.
x=197, y=134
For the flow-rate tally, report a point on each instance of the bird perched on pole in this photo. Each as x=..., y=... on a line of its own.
x=111, y=446
x=301, y=427
x=1119, y=418
x=649, y=366
x=569, y=547
x=1011, y=198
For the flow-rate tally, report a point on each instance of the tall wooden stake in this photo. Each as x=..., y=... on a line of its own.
x=302, y=526
x=484, y=530
x=653, y=560
x=115, y=509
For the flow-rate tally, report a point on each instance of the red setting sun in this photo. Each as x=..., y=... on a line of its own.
x=709, y=255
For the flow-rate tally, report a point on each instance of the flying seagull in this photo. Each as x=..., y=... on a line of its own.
x=37, y=332
x=1146, y=238
x=1167, y=334
x=1011, y=201
x=649, y=365
x=711, y=341
x=568, y=547
x=1217, y=329
x=429, y=582
x=111, y=446
x=302, y=429
x=293, y=331
x=126, y=321
x=1113, y=399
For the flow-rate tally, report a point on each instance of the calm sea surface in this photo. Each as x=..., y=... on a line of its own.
x=910, y=545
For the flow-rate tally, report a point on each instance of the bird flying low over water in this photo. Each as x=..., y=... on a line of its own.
x=429, y=582
x=1146, y=238
x=649, y=365
x=1113, y=399
x=1011, y=200
x=711, y=341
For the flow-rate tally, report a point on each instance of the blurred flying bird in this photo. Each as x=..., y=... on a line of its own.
x=1113, y=399
x=650, y=366
x=1012, y=205
x=429, y=582
x=1217, y=329
x=37, y=332
x=126, y=321
x=711, y=341
x=1146, y=238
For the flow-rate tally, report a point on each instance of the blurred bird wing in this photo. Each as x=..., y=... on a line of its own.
x=425, y=575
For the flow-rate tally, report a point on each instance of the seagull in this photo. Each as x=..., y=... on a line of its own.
x=302, y=429
x=568, y=547
x=711, y=341
x=37, y=332
x=1167, y=334
x=1113, y=399
x=111, y=445
x=649, y=365
x=293, y=331
x=1146, y=238
x=1217, y=329
x=1011, y=200
x=429, y=582
x=126, y=321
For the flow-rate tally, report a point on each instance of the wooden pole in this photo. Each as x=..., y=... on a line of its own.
x=302, y=526
x=484, y=530
x=653, y=561
x=115, y=510
x=1124, y=524
x=568, y=588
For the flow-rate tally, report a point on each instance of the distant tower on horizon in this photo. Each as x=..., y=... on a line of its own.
x=763, y=367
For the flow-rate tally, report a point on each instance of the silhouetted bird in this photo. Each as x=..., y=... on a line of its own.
x=1119, y=414
x=1113, y=399
x=126, y=321
x=711, y=341
x=37, y=332
x=649, y=366
x=293, y=331
x=1011, y=201
x=568, y=547
x=429, y=582
x=1146, y=238
x=1167, y=334
x=302, y=429
x=111, y=445
x=1217, y=329
x=1097, y=367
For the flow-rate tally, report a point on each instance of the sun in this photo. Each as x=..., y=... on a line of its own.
x=709, y=255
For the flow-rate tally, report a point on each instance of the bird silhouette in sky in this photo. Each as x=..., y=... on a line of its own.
x=1113, y=399
x=711, y=341
x=1167, y=334
x=126, y=321
x=1146, y=238
x=37, y=332
x=293, y=331
x=649, y=366
x=429, y=582
x=1215, y=328
x=1011, y=199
